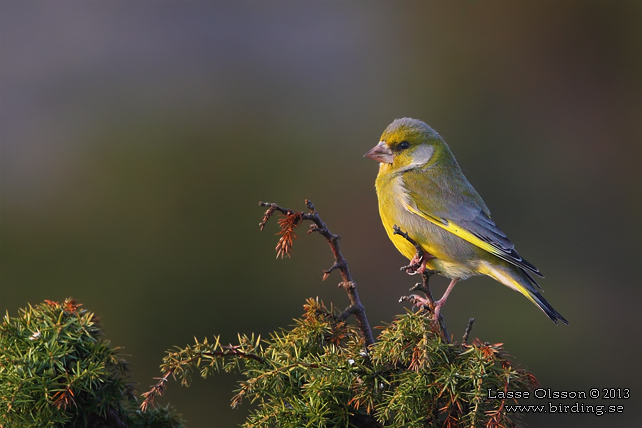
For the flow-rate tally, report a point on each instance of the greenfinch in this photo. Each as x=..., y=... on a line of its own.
x=422, y=190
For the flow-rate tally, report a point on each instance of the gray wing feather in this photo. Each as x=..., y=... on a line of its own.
x=468, y=211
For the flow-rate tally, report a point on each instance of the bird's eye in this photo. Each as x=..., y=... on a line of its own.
x=403, y=145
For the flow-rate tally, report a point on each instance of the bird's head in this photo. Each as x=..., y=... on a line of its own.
x=406, y=144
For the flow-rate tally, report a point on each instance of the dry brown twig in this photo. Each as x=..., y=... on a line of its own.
x=157, y=390
x=288, y=224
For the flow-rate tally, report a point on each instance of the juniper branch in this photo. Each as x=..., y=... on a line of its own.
x=159, y=388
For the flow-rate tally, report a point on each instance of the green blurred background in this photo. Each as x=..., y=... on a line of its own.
x=138, y=137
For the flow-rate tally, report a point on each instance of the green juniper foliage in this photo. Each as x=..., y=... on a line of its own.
x=319, y=375
x=56, y=371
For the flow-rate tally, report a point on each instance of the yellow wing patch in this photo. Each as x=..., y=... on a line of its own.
x=461, y=232
x=507, y=254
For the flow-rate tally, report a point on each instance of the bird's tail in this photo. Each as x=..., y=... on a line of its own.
x=519, y=280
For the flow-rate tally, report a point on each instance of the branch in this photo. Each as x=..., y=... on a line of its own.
x=159, y=388
x=292, y=220
x=467, y=333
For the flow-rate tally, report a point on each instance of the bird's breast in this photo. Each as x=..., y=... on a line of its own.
x=393, y=199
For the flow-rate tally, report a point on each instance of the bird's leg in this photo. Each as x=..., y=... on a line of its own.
x=439, y=303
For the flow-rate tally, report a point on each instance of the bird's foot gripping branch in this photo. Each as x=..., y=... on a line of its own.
x=418, y=262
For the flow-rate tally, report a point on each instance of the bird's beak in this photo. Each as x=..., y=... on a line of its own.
x=381, y=153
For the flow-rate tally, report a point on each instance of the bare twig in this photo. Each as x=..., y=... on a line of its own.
x=467, y=333
x=157, y=390
x=340, y=263
x=270, y=211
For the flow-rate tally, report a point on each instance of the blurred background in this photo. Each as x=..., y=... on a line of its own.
x=138, y=137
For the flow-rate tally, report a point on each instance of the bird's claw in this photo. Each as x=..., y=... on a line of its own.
x=424, y=303
x=417, y=301
x=411, y=269
x=418, y=264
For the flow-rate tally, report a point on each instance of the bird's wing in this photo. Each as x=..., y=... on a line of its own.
x=465, y=216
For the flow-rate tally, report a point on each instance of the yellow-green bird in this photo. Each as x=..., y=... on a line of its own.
x=422, y=190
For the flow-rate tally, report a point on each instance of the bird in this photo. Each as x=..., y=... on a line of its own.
x=422, y=190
